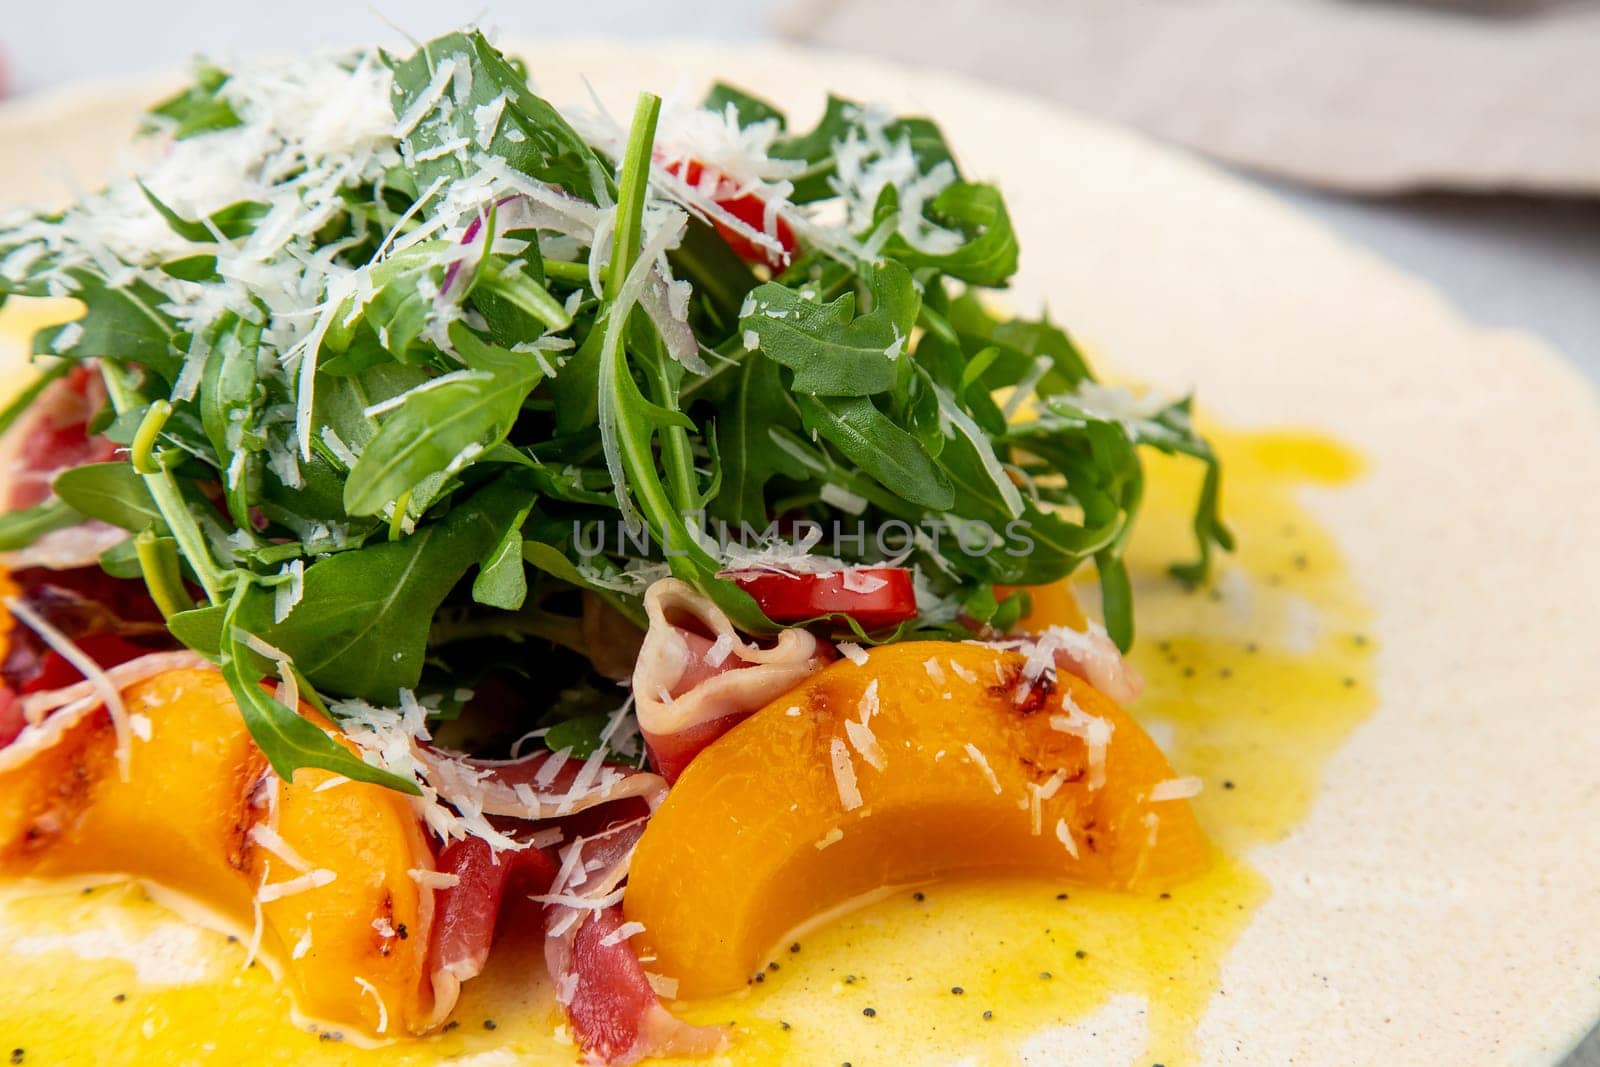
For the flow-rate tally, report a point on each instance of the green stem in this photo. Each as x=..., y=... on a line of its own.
x=163, y=489
x=163, y=576
x=631, y=188
x=563, y=271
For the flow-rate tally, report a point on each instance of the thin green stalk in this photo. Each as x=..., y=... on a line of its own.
x=561, y=270
x=163, y=489
x=631, y=189
x=163, y=575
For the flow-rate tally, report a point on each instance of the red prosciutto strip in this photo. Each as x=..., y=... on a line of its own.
x=12, y=720
x=113, y=620
x=54, y=436
x=466, y=913
x=697, y=676
x=616, y=1014
x=51, y=437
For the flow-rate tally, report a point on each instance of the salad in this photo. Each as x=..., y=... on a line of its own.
x=446, y=499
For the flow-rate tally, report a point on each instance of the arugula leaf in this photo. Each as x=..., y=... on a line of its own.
x=757, y=403
x=1019, y=342
x=111, y=492
x=579, y=736
x=197, y=109
x=989, y=255
x=842, y=119
x=832, y=350
x=232, y=222
x=879, y=447
x=361, y=627
x=19, y=529
x=436, y=426
x=229, y=396
x=122, y=323
x=288, y=739
x=502, y=582
x=747, y=108
x=531, y=136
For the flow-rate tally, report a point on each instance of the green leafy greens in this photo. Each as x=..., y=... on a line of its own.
x=379, y=376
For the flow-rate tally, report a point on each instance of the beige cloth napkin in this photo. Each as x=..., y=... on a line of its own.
x=1359, y=95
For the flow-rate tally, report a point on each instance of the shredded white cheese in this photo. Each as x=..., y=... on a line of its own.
x=864, y=741
x=85, y=665
x=622, y=933
x=719, y=651
x=268, y=838
x=853, y=652
x=383, y=1011
x=982, y=763
x=310, y=880
x=1093, y=731
x=1175, y=789
x=844, y=775
x=434, y=879
x=1064, y=835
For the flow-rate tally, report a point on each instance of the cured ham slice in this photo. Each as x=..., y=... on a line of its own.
x=615, y=1011
x=697, y=676
x=467, y=910
x=52, y=437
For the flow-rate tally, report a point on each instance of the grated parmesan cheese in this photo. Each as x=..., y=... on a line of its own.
x=864, y=741
x=982, y=763
x=304, y=883
x=844, y=775
x=264, y=835
x=853, y=652
x=383, y=1010
x=1093, y=731
x=85, y=665
x=832, y=837
x=1175, y=789
x=622, y=933
x=719, y=651
x=1064, y=835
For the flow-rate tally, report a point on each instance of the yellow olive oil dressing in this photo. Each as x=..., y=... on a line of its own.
x=1250, y=684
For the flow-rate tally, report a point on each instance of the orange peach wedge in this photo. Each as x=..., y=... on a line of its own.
x=340, y=916
x=920, y=764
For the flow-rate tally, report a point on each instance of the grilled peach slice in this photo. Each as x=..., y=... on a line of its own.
x=920, y=764
x=197, y=816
